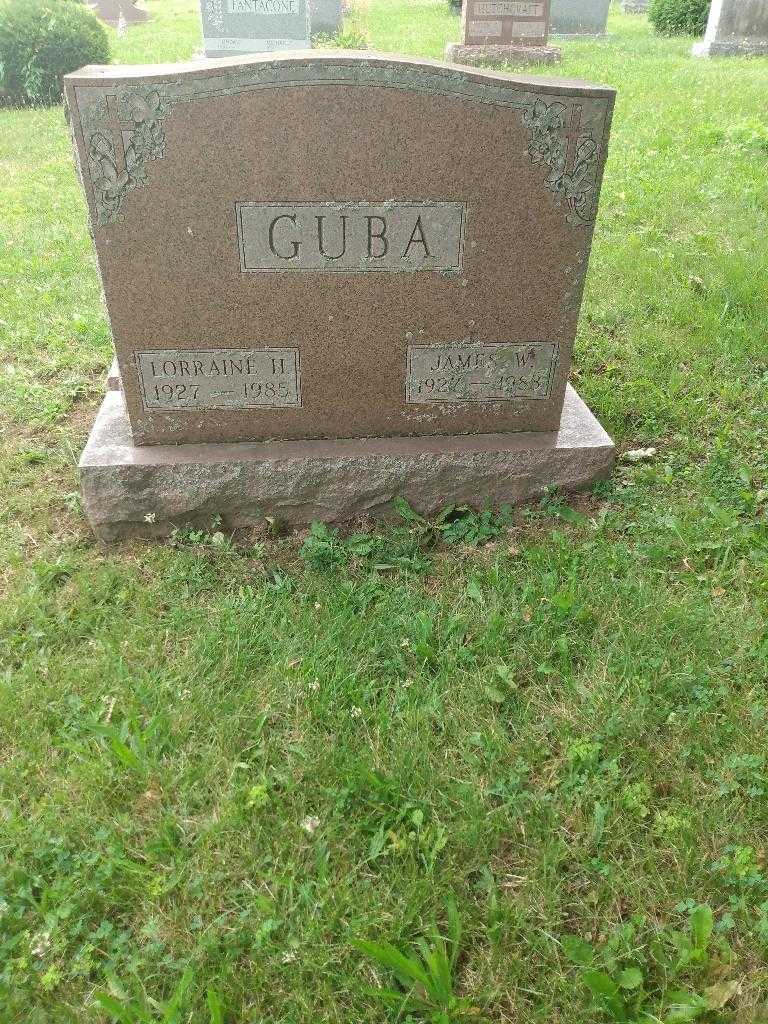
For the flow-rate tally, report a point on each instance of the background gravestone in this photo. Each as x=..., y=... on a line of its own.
x=329, y=284
x=634, y=6
x=504, y=30
x=735, y=28
x=232, y=27
x=579, y=17
x=111, y=10
x=326, y=16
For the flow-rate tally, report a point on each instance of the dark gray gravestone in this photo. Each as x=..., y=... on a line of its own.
x=326, y=16
x=579, y=17
x=111, y=12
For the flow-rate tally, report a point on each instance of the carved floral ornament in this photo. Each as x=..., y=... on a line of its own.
x=215, y=12
x=124, y=130
x=571, y=156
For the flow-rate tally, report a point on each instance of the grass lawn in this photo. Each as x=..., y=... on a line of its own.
x=223, y=765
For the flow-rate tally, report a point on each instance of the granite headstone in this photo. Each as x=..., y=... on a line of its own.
x=579, y=17
x=513, y=31
x=301, y=251
x=327, y=16
x=634, y=6
x=115, y=11
x=736, y=28
x=236, y=27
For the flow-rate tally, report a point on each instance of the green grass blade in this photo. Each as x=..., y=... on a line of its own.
x=215, y=1006
x=404, y=968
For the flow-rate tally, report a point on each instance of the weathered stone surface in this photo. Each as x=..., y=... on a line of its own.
x=736, y=28
x=327, y=16
x=113, y=376
x=144, y=492
x=233, y=27
x=634, y=6
x=579, y=17
x=508, y=53
x=276, y=235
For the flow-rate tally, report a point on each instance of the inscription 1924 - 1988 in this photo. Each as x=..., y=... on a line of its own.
x=480, y=372
x=219, y=378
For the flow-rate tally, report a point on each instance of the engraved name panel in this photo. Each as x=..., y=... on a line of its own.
x=480, y=372
x=488, y=28
x=528, y=29
x=262, y=7
x=351, y=238
x=219, y=378
x=508, y=9
x=249, y=45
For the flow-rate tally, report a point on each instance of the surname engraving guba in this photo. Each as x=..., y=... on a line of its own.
x=351, y=237
x=480, y=372
x=173, y=379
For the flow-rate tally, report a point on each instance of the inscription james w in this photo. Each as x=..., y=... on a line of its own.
x=480, y=372
x=351, y=237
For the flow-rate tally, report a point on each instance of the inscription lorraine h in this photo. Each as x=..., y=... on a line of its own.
x=180, y=379
x=237, y=209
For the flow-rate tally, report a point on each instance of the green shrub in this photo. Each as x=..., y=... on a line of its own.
x=679, y=17
x=41, y=40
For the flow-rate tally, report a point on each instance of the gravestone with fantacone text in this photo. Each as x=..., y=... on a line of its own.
x=232, y=27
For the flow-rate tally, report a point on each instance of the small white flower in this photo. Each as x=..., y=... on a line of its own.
x=310, y=823
x=3, y=907
x=407, y=683
x=41, y=943
x=639, y=455
x=288, y=958
x=356, y=712
x=318, y=606
x=150, y=517
x=314, y=685
x=183, y=694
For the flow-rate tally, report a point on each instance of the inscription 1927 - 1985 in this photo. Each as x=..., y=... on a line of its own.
x=480, y=372
x=219, y=378
x=351, y=237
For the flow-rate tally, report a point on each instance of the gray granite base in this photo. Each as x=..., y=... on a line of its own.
x=458, y=53
x=737, y=48
x=131, y=491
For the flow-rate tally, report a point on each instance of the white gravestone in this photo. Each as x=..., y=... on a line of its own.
x=736, y=28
